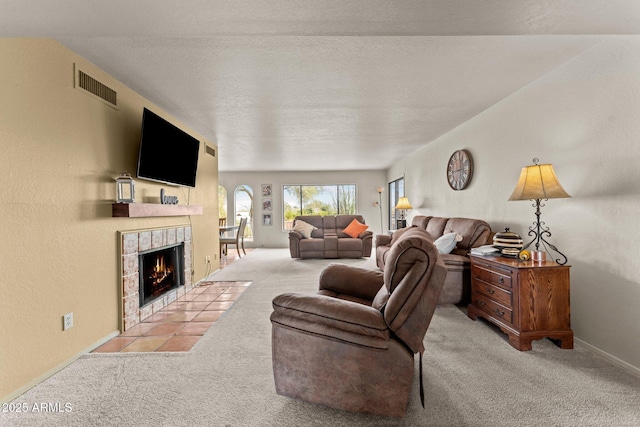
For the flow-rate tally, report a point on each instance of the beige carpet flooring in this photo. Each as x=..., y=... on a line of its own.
x=472, y=376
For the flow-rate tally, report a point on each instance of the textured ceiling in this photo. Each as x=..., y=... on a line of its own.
x=323, y=85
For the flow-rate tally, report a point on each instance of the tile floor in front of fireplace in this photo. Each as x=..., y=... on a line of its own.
x=180, y=325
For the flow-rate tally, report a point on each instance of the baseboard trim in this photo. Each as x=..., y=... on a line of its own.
x=16, y=393
x=618, y=362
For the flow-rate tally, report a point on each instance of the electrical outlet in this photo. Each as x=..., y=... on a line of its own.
x=67, y=321
x=207, y=259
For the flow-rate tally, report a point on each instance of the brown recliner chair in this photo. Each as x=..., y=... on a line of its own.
x=351, y=346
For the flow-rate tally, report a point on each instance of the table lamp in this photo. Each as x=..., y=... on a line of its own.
x=402, y=206
x=538, y=182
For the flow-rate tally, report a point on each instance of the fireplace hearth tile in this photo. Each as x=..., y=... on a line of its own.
x=196, y=305
x=130, y=304
x=131, y=285
x=195, y=328
x=114, y=345
x=208, y=316
x=158, y=317
x=171, y=236
x=145, y=344
x=170, y=297
x=165, y=328
x=138, y=330
x=206, y=297
x=182, y=316
x=231, y=296
x=130, y=322
x=145, y=312
x=219, y=305
x=144, y=241
x=129, y=243
x=157, y=305
x=179, y=343
x=156, y=239
x=130, y=265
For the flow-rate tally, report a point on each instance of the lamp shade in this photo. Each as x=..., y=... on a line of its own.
x=538, y=182
x=403, y=203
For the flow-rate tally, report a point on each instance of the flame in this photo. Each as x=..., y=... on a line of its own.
x=160, y=270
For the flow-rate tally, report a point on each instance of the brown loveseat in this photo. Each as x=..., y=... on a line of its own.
x=328, y=240
x=351, y=346
x=474, y=232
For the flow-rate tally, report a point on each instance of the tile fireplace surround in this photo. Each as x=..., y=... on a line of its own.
x=133, y=242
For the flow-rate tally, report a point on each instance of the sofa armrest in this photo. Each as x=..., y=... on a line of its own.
x=355, y=281
x=294, y=244
x=383, y=240
x=329, y=315
x=295, y=235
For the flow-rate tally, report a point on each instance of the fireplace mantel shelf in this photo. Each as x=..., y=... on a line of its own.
x=140, y=210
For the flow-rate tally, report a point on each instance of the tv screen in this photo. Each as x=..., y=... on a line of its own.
x=167, y=154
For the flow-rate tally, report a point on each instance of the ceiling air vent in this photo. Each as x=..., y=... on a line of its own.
x=210, y=150
x=94, y=87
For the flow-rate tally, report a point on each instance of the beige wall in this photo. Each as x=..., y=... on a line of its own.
x=61, y=150
x=582, y=117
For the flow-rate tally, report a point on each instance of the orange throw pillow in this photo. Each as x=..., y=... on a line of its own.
x=355, y=228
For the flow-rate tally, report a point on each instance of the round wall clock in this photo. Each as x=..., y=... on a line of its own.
x=459, y=169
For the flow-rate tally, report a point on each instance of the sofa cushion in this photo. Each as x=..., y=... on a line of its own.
x=304, y=228
x=355, y=228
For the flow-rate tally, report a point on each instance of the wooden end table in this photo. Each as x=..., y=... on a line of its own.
x=527, y=300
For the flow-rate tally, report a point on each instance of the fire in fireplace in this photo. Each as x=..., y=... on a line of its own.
x=161, y=270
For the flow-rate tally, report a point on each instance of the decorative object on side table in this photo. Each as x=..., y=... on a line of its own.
x=538, y=182
x=509, y=243
x=125, y=188
x=402, y=206
x=459, y=169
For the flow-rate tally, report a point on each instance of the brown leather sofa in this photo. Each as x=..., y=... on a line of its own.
x=474, y=232
x=351, y=346
x=328, y=239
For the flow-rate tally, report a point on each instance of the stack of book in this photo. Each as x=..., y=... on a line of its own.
x=485, y=250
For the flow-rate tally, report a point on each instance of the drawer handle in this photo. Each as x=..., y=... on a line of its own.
x=501, y=280
x=482, y=303
x=488, y=289
x=498, y=312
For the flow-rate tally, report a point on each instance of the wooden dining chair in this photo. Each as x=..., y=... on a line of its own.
x=222, y=222
x=237, y=239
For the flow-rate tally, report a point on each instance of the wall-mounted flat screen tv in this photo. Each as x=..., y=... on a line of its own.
x=167, y=154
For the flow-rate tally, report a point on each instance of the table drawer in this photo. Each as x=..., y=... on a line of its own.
x=495, y=293
x=494, y=309
x=491, y=276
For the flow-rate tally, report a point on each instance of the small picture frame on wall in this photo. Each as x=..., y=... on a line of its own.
x=267, y=219
x=267, y=204
x=266, y=190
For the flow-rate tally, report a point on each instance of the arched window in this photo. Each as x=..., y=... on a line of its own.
x=243, y=201
x=222, y=202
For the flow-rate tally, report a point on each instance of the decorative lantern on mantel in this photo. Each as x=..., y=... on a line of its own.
x=125, y=188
